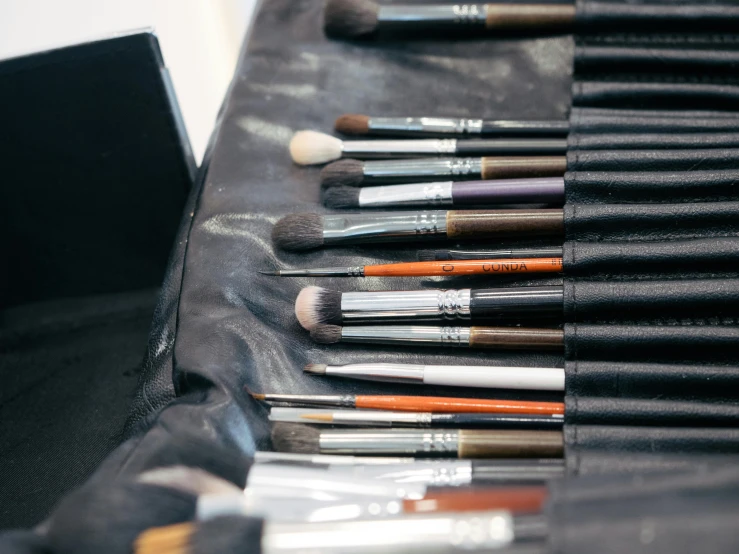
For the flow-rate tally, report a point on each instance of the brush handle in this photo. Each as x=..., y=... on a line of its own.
x=547, y=128
x=521, y=378
x=456, y=405
x=546, y=190
x=519, y=167
x=517, y=500
x=516, y=471
x=494, y=303
x=502, y=147
x=547, y=252
x=515, y=338
x=498, y=421
x=465, y=267
x=510, y=444
x=529, y=16
x=474, y=224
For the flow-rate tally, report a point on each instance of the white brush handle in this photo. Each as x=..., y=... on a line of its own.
x=529, y=378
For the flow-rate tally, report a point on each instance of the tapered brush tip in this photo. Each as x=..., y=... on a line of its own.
x=350, y=18
x=326, y=334
x=427, y=256
x=316, y=306
x=347, y=172
x=352, y=124
x=297, y=232
x=312, y=148
x=295, y=437
x=341, y=197
x=316, y=369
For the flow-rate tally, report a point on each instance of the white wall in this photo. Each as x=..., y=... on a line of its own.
x=200, y=41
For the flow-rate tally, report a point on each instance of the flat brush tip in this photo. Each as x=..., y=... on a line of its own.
x=350, y=18
x=346, y=172
x=326, y=334
x=352, y=124
x=316, y=369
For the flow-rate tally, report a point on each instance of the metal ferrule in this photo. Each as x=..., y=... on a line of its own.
x=357, y=271
x=421, y=169
x=341, y=401
x=366, y=149
x=410, y=15
x=432, y=305
x=431, y=473
x=419, y=194
x=377, y=417
x=383, y=227
x=407, y=334
x=424, y=125
x=390, y=441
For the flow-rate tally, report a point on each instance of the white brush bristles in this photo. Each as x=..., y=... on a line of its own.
x=312, y=148
x=305, y=307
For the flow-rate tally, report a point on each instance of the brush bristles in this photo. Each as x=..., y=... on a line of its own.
x=172, y=539
x=297, y=232
x=347, y=172
x=350, y=18
x=316, y=306
x=427, y=256
x=316, y=369
x=326, y=334
x=297, y=438
x=341, y=197
x=352, y=124
x=312, y=148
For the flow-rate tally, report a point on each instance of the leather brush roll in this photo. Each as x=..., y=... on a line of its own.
x=587, y=121
x=647, y=94
x=652, y=141
x=653, y=160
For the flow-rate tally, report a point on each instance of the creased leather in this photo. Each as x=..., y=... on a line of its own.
x=653, y=160
x=600, y=120
x=597, y=463
x=655, y=141
x=656, y=95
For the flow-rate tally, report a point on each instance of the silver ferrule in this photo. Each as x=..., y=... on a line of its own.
x=357, y=271
x=407, y=334
x=410, y=15
x=423, y=169
x=383, y=227
x=427, y=534
x=414, y=126
x=418, y=194
x=341, y=401
x=382, y=149
x=377, y=417
x=432, y=473
x=390, y=441
x=419, y=305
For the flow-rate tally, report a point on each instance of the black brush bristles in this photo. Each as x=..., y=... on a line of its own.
x=326, y=334
x=317, y=306
x=348, y=173
x=295, y=437
x=427, y=256
x=341, y=197
x=297, y=232
x=350, y=18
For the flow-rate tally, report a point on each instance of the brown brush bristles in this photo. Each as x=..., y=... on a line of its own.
x=294, y=437
x=352, y=124
x=326, y=334
x=349, y=173
x=172, y=539
x=296, y=232
x=341, y=197
x=350, y=18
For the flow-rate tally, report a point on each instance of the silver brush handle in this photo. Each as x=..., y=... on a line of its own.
x=390, y=441
x=410, y=15
x=418, y=305
x=429, y=125
x=421, y=169
x=407, y=334
x=446, y=473
x=381, y=149
x=382, y=227
x=417, y=194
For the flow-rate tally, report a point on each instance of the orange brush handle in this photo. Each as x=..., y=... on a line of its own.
x=440, y=404
x=519, y=500
x=465, y=267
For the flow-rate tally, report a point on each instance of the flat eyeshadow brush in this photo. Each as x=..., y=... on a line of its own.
x=447, y=255
x=361, y=18
x=503, y=338
x=320, y=306
x=307, y=231
x=434, y=404
x=364, y=125
x=461, y=443
x=489, y=377
x=379, y=418
x=544, y=190
x=313, y=148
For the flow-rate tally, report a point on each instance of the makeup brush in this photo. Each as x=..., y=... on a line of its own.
x=490, y=377
x=446, y=255
x=355, y=173
x=318, y=306
x=545, y=190
x=313, y=148
x=364, y=125
x=306, y=231
x=440, y=404
x=504, y=338
x=360, y=18
x=462, y=443
x=378, y=418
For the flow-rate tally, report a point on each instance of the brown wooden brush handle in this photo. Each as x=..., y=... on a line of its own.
x=529, y=16
x=510, y=444
x=514, y=338
x=520, y=167
x=519, y=500
x=461, y=224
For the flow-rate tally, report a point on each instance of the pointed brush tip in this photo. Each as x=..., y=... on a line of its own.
x=275, y=273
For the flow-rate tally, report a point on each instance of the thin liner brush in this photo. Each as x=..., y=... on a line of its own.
x=447, y=255
x=430, y=269
x=364, y=125
x=361, y=18
x=545, y=190
x=313, y=148
x=349, y=172
x=306, y=231
x=461, y=443
x=433, y=404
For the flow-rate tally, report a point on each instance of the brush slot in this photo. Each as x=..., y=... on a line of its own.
x=594, y=121
x=491, y=223
x=653, y=160
x=545, y=128
x=516, y=301
x=513, y=338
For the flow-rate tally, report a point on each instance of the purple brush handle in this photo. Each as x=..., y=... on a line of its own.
x=546, y=190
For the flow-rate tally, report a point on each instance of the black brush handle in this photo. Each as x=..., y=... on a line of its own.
x=502, y=147
x=499, y=421
x=542, y=128
x=493, y=303
x=516, y=471
x=547, y=252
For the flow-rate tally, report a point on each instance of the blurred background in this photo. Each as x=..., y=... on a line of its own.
x=200, y=41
